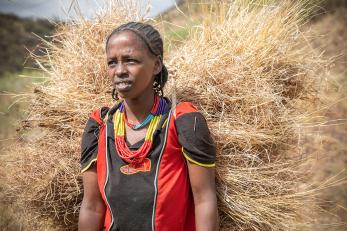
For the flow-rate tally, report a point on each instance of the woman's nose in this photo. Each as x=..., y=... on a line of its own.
x=120, y=70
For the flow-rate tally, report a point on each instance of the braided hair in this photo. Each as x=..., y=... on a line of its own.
x=151, y=37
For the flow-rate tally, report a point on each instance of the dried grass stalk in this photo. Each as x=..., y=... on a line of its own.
x=249, y=70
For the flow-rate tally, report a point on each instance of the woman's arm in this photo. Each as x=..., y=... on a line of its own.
x=202, y=181
x=92, y=212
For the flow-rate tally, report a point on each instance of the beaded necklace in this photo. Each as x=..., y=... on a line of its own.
x=148, y=118
x=136, y=157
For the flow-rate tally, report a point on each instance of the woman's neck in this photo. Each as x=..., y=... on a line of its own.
x=138, y=109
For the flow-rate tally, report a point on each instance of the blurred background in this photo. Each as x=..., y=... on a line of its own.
x=22, y=23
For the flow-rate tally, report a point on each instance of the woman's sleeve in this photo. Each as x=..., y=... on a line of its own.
x=195, y=138
x=89, y=144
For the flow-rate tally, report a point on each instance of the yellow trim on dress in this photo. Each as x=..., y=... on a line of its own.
x=195, y=162
x=164, y=124
x=88, y=166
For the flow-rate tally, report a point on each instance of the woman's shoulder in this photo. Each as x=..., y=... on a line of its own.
x=194, y=135
x=99, y=114
x=184, y=108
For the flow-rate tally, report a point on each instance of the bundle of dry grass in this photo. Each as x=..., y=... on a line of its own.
x=247, y=68
x=252, y=73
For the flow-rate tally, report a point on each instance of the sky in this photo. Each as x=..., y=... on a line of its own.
x=54, y=9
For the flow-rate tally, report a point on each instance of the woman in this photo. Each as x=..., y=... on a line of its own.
x=147, y=165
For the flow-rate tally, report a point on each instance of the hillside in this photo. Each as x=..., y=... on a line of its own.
x=18, y=35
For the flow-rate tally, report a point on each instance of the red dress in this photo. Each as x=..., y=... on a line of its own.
x=157, y=195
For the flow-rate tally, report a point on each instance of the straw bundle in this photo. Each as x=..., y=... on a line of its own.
x=246, y=68
x=250, y=71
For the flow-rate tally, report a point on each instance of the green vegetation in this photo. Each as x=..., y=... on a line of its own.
x=14, y=90
x=18, y=36
x=14, y=82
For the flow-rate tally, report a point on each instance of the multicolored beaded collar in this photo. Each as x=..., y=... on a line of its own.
x=148, y=118
x=137, y=157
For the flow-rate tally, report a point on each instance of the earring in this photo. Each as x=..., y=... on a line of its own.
x=114, y=94
x=157, y=86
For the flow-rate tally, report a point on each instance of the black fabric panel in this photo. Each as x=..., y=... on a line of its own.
x=111, y=112
x=89, y=144
x=104, y=111
x=135, y=146
x=194, y=136
x=131, y=197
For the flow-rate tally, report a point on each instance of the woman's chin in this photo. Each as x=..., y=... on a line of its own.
x=129, y=92
x=125, y=94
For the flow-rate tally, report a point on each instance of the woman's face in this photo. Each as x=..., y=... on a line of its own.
x=131, y=66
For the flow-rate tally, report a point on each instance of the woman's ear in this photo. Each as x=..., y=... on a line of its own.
x=158, y=65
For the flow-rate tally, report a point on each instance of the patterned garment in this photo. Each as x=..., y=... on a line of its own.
x=155, y=195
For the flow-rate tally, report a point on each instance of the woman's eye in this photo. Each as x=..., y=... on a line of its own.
x=111, y=63
x=131, y=61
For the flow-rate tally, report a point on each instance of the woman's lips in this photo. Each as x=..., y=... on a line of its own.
x=123, y=86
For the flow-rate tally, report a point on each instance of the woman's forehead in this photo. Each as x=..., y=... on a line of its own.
x=126, y=41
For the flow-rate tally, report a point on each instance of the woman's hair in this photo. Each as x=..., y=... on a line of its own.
x=151, y=37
